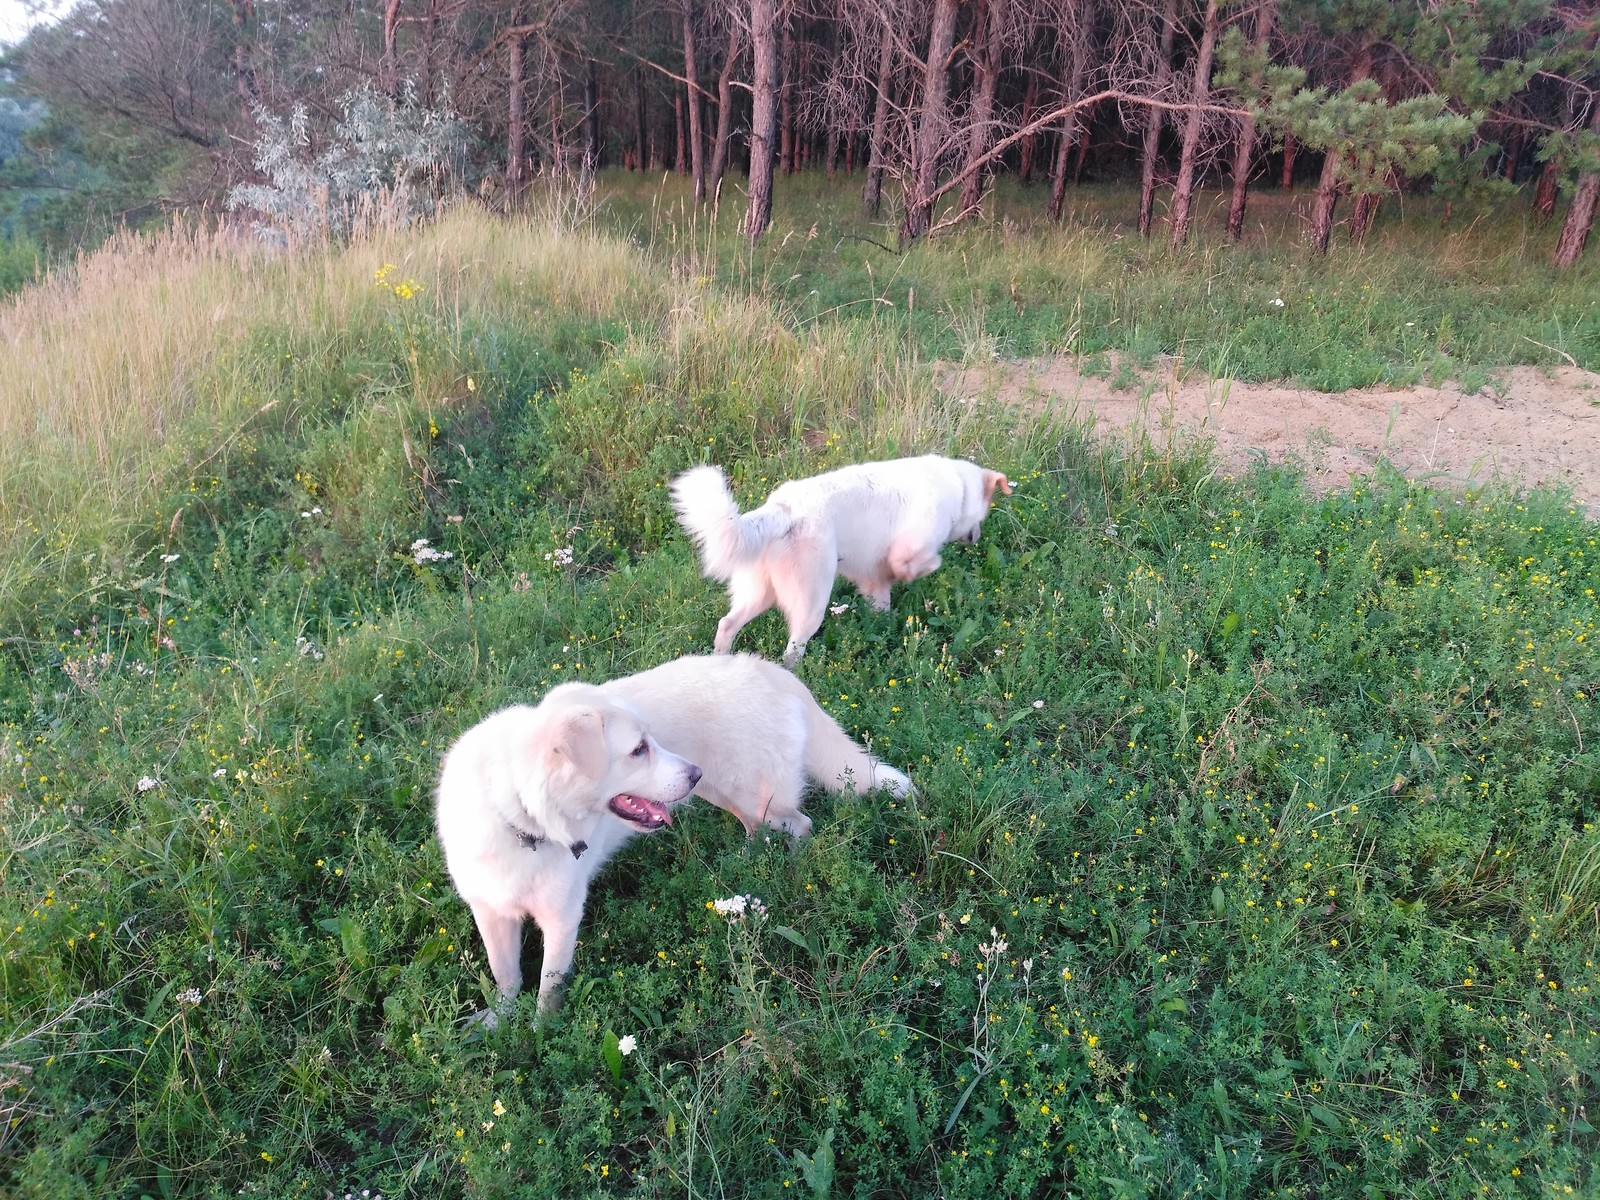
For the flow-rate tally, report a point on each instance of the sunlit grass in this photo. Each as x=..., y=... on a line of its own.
x=1420, y=298
x=1254, y=847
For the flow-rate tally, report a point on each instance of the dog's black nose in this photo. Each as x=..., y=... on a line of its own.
x=694, y=775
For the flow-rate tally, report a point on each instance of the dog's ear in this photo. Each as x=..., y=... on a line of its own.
x=992, y=480
x=580, y=738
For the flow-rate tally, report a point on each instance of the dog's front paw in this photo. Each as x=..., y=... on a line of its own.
x=481, y=1023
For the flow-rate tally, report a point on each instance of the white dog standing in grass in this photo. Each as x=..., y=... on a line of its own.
x=533, y=801
x=877, y=524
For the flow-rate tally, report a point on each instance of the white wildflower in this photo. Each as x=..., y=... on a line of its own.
x=220, y=773
x=836, y=609
x=170, y=558
x=627, y=1044
x=146, y=782
x=424, y=553
x=190, y=996
x=1038, y=703
x=735, y=907
x=1277, y=302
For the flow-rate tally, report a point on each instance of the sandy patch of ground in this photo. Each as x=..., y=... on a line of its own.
x=1535, y=426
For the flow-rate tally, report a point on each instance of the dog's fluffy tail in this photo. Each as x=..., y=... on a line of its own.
x=726, y=538
x=835, y=761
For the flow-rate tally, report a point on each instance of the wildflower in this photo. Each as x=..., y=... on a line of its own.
x=1277, y=302
x=627, y=1044
x=424, y=553
x=836, y=609
x=220, y=773
x=561, y=557
x=499, y=1109
x=1038, y=703
x=190, y=996
x=146, y=782
x=735, y=907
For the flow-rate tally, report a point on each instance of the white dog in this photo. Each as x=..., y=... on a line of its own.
x=874, y=523
x=533, y=801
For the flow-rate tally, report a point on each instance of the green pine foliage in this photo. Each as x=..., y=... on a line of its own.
x=1256, y=848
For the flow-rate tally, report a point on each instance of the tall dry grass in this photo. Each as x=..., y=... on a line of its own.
x=129, y=366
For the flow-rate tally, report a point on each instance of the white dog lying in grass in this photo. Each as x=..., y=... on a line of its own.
x=533, y=801
x=875, y=523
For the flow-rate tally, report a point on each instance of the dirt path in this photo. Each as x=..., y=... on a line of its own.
x=1536, y=426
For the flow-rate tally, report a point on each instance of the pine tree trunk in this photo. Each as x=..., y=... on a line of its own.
x=388, y=72
x=1362, y=215
x=931, y=128
x=986, y=75
x=1327, y=201
x=1244, y=150
x=1058, y=170
x=1200, y=93
x=516, y=118
x=680, y=141
x=1544, y=197
x=1030, y=100
x=1152, y=127
x=719, y=150
x=872, y=192
x=763, y=116
x=1287, y=182
x=1074, y=80
x=786, y=97
x=430, y=36
x=244, y=71
x=1085, y=137
x=1513, y=157
x=1321, y=228
x=558, y=153
x=1580, y=217
x=591, y=121
x=697, y=154
x=641, y=123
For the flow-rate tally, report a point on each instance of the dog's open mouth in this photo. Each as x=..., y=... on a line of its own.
x=646, y=814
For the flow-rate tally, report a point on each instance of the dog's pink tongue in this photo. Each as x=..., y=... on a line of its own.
x=642, y=807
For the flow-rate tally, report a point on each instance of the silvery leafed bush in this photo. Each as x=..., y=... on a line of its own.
x=387, y=157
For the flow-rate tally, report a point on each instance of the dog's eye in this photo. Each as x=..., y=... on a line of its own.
x=642, y=748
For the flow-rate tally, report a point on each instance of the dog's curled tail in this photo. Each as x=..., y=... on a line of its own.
x=726, y=537
x=835, y=760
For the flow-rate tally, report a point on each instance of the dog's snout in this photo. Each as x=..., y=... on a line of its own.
x=694, y=774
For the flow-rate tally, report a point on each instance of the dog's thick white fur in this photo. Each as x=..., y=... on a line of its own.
x=876, y=523
x=533, y=801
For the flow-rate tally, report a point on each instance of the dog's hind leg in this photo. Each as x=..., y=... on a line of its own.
x=803, y=581
x=912, y=557
x=750, y=595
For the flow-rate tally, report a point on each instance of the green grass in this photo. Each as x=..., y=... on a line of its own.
x=1284, y=809
x=1417, y=300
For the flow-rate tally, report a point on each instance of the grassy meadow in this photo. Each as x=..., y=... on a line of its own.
x=1257, y=845
x=1421, y=298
